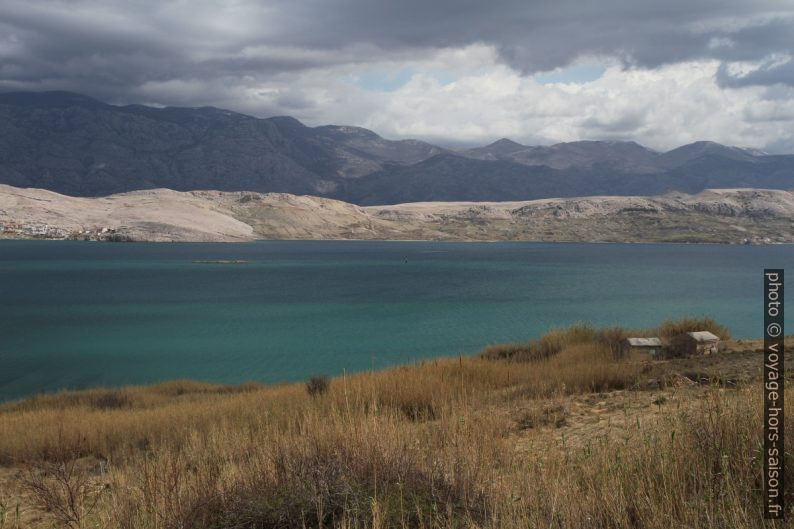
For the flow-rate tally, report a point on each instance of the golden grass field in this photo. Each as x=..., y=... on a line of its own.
x=559, y=432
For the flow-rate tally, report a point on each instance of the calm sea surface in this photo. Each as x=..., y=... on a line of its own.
x=80, y=314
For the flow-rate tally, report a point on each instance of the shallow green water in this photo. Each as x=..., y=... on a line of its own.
x=80, y=314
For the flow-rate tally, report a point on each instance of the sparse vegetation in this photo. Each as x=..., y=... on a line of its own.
x=556, y=341
x=608, y=338
x=670, y=329
x=60, y=485
x=527, y=438
x=317, y=385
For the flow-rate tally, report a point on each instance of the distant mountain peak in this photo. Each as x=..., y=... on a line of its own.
x=718, y=147
x=597, y=143
x=500, y=148
x=704, y=148
x=349, y=131
x=505, y=142
x=705, y=145
x=286, y=121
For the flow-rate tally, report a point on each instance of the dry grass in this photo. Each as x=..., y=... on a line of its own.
x=439, y=444
x=164, y=414
x=609, y=338
x=672, y=328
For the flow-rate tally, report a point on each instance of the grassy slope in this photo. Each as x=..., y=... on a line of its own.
x=554, y=433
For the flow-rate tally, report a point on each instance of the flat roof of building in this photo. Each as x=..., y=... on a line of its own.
x=644, y=342
x=703, y=336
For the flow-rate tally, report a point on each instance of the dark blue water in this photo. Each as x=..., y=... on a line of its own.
x=80, y=314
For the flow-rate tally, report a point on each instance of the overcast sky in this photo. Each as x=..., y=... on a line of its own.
x=451, y=71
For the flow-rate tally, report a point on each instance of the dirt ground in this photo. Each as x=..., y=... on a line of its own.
x=665, y=386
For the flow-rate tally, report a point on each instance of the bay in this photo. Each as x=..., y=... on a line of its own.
x=82, y=314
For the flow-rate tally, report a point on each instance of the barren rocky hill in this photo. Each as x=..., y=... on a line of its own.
x=721, y=215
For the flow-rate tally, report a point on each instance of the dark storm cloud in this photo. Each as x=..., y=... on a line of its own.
x=624, y=126
x=765, y=75
x=122, y=49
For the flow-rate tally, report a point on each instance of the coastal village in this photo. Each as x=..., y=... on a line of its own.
x=34, y=230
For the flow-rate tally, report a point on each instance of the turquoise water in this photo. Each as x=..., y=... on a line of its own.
x=81, y=314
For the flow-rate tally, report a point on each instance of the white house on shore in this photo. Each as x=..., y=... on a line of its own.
x=650, y=346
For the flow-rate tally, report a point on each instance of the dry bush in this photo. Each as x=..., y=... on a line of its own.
x=168, y=490
x=543, y=348
x=111, y=400
x=550, y=414
x=553, y=342
x=507, y=351
x=61, y=486
x=320, y=471
x=317, y=385
x=672, y=328
x=612, y=337
x=322, y=483
x=583, y=368
x=417, y=392
x=177, y=388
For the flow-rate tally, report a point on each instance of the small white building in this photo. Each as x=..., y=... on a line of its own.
x=696, y=343
x=651, y=346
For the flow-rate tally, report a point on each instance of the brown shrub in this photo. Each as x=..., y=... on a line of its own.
x=320, y=472
x=61, y=486
x=317, y=385
x=111, y=400
x=672, y=328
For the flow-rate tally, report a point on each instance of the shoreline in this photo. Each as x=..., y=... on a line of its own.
x=467, y=241
x=735, y=344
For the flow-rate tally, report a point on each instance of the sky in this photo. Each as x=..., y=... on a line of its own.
x=455, y=72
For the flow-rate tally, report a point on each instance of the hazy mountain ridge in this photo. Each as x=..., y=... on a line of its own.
x=729, y=215
x=76, y=145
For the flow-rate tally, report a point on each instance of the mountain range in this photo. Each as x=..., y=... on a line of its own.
x=79, y=146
